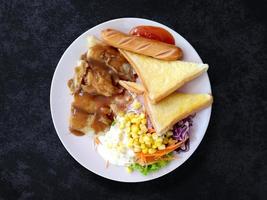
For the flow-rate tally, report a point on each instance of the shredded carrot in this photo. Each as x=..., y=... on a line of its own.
x=164, y=151
x=151, y=130
x=150, y=158
x=97, y=141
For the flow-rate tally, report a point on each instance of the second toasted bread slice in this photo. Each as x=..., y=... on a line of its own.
x=174, y=108
x=171, y=109
x=160, y=78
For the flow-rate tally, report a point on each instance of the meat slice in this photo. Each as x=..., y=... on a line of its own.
x=98, y=96
x=113, y=59
x=102, y=79
x=80, y=71
x=80, y=122
x=84, y=102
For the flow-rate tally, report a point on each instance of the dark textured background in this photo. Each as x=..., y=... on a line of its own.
x=230, y=163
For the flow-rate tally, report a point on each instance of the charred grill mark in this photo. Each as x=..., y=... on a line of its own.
x=109, y=33
x=143, y=46
x=164, y=53
x=126, y=40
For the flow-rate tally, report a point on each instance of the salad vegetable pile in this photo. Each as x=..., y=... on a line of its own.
x=131, y=142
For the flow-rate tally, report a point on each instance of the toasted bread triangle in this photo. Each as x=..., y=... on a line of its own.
x=171, y=109
x=174, y=108
x=160, y=78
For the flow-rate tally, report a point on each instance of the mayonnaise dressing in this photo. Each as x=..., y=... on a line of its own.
x=113, y=146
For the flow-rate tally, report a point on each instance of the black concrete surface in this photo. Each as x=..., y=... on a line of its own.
x=230, y=163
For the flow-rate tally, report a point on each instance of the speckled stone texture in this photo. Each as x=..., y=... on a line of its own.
x=230, y=163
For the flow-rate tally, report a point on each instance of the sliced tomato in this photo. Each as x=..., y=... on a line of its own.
x=154, y=33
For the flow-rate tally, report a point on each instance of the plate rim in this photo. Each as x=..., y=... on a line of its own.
x=51, y=100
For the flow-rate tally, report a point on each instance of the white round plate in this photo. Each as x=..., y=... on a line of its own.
x=82, y=148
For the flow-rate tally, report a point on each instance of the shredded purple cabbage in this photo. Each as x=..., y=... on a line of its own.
x=181, y=131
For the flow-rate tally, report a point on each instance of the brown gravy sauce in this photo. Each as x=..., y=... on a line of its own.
x=97, y=111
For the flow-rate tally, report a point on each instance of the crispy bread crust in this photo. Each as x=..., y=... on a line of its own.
x=156, y=99
x=172, y=89
x=135, y=68
x=177, y=118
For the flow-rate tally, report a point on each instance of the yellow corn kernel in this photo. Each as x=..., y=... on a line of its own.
x=135, y=136
x=161, y=147
x=143, y=146
x=158, y=144
x=136, y=149
x=134, y=129
x=136, y=105
x=142, y=116
x=154, y=146
x=143, y=128
x=121, y=113
x=139, y=133
x=129, y=170
x=136, y=141
x=132, y=115
x=129, y=119
x=155, y=136
x=143, y=121
x=127, y=130
x=169, y=133
x=144, y=150
x=146, y=138
x=126, y=118
x=129, y=135
x=159, y=140
x=141, y=140
x=171, y=141
x=122, y=126
x=148, y=144
x=165, y=141
x=150, y=151
x=135, y=120
x=128, y=124
x=152, y=141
